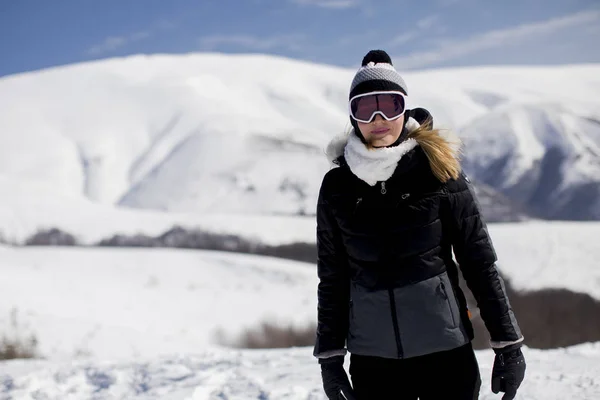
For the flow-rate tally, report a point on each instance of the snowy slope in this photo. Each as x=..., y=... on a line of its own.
x=23, y=211
x=239, y=134
x=78, y=301
x=537, y=255
x=146, y=324
x=124, y=304
x=570, y=373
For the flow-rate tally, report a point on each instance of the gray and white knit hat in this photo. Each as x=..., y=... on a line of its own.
x=377, y=73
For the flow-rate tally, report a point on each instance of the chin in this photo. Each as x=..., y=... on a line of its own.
x=385, y=141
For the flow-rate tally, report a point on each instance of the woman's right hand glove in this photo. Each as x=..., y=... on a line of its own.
x=508, y=371
x=335, y=380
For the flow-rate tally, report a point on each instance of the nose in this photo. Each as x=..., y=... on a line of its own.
x=377, y=116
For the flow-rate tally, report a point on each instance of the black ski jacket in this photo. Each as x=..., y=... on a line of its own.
x=388, y=283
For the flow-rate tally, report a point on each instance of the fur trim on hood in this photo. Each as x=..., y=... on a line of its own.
x=441, y=147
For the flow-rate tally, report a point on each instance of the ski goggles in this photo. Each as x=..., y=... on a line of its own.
x=390, y=105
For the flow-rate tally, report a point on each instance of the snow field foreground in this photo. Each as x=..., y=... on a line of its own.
x=290, y=374
x=123, y=304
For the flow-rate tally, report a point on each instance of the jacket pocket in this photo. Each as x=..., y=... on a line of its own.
x=371, y=329
x=448, y=296
x=428, y=317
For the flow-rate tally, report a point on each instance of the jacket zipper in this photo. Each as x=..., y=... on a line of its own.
x=383, y=189
x=393, y=304
x=395, y=322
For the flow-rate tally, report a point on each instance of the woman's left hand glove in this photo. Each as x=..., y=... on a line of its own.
x=508, y=371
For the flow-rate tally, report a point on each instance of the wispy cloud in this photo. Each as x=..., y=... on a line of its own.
x=449, y=49
x=112, y=43
x=401, y=39
x=424, y=24
x=340, y=4
x=428, y=22
x=249, y=42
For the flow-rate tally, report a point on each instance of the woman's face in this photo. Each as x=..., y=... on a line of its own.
x=381, y=132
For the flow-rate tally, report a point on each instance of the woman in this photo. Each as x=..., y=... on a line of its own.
x=388, y=218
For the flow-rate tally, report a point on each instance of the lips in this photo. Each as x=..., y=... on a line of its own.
x=379, y=131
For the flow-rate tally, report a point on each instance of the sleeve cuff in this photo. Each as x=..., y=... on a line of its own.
x=332, y=353
x=502, y=344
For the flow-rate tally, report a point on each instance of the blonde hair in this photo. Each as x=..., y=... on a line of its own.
x=443, y=155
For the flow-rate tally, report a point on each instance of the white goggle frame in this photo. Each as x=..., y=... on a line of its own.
x=376, y=112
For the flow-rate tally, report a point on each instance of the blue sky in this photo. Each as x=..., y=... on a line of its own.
x=418, y=34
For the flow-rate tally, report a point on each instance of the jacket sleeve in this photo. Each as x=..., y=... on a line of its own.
x=476, y=257
x=334, y=283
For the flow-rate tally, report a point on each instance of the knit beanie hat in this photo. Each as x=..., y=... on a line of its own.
x=376, y=73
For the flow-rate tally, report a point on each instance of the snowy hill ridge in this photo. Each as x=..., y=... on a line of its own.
x=212, y=133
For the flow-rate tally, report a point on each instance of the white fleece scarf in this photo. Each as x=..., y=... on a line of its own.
x=374, y=165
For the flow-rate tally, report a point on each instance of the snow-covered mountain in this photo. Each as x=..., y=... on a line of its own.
x=238, y=134
x=543, y=156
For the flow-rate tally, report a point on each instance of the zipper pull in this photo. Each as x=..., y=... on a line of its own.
x=501, y=357
x=358, y=201
x=383, y=189
x=442, y=290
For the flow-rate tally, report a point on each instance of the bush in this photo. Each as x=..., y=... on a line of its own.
x=548, y=318
x=551, y=318
x=51, y=237
x=15, y=346
x=182, y=238
x=269, y=335
x=129, y=241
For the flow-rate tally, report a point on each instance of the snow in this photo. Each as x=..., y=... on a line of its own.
x=266, y=374
x=79, y=300
x=235, y=144
x=128, y=303
x=27, y=208
x=219, y=134
x=549, y=254
x=140, y=324
x=154, y=323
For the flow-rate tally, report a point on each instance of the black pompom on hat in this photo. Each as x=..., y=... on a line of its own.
x=376, y=56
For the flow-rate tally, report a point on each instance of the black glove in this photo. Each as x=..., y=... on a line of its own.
x=508, y=371
x=335, y=381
